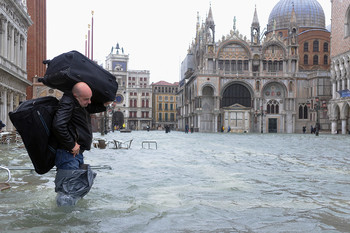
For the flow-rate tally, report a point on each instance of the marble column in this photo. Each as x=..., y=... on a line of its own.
x=338, y=85
x=12, y=45
x=11, y=101
x=24, y=57
x=199, y=122
x=4, y=106
x=5, y=42
x=334, y=89
x=343, y=126
x=334, y=126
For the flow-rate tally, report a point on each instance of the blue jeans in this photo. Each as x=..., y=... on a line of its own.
x=66, y=160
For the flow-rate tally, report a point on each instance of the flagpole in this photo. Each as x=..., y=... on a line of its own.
x=85, y=45
x=92, y=35
x=88, y=41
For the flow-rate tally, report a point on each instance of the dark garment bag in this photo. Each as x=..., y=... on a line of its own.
x=69, y=68
x=72, y=185
x=33, y=119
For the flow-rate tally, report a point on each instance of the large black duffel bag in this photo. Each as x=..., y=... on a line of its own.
x=33, y=119
x=69, y=68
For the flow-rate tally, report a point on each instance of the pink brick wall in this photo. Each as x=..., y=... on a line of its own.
x=339, y=43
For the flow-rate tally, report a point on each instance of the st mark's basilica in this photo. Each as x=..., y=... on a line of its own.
x=277, y=80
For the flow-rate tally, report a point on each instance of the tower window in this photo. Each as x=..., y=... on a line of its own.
x=325, y=60
x=239, y=65
x=272, y=107
x=303, y=111
x=315, y=60
x=306, y=59
x=245, y=65
x=306, y=47
x=316, y=46
x=325, y=47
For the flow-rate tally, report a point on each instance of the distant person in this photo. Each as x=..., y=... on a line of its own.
x=186, y=128
x=2, y=125
x=304, y=129
x=147, y=127
x=228, y=129
x=191, y=128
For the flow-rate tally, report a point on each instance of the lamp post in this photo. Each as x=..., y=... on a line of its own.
x=261, y=114
x=106, y=122
x=262, y=123
x=317, y=106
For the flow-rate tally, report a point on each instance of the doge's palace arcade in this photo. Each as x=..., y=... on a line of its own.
x=14, y=24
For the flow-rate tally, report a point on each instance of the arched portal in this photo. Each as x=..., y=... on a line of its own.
x=236, y=94
x=118, y=120
x=236, y=104
x=207, y=123
x=273, y=120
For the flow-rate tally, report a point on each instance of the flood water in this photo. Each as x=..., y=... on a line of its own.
x=192, y=183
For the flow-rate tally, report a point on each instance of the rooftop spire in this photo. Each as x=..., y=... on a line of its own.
x=293, y=18
x=255, y=19
x=210, y=19
x=234, y=23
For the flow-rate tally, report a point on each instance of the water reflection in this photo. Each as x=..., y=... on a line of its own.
x=194, y=183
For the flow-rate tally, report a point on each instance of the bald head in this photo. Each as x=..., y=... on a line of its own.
x=82, y=92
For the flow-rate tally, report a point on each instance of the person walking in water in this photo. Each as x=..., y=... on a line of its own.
x=72, y=129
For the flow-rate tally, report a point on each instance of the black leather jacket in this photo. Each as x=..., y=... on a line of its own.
x=72, y=123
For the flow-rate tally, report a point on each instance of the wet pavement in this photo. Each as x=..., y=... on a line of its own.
x=192, y=183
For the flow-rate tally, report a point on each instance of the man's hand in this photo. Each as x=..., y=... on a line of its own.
x=75, y=149
x=107, y=103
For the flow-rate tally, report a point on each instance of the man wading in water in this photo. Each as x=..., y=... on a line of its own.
x=72, y=128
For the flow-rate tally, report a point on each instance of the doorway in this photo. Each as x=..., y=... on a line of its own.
x=272, y=125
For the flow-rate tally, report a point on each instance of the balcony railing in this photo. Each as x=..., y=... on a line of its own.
x=244, y=73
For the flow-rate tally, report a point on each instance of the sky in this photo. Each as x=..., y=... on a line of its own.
x=155, y=33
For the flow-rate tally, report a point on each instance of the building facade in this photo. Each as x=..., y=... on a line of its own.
x=339, y=106
x=117, y=64
x=132, y=107
x=36, y=52
x=269, y=83
x=139, y=113
x=14, y=24
x=164, y=98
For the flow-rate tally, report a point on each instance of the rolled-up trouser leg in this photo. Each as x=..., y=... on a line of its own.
x=72, y=185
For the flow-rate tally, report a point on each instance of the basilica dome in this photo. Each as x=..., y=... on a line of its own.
x=309, y=13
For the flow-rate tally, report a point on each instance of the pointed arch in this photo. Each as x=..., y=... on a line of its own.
x=347, y=23
x=274, y=43
x=272, y=88
x=238, y=43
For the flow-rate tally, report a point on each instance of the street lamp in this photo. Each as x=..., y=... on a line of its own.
x=260, y=113
x=262, y=122
x=317, y=107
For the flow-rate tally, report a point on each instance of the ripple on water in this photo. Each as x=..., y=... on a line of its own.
x=194, y=183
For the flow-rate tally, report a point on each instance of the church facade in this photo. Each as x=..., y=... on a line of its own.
x=276, y=81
